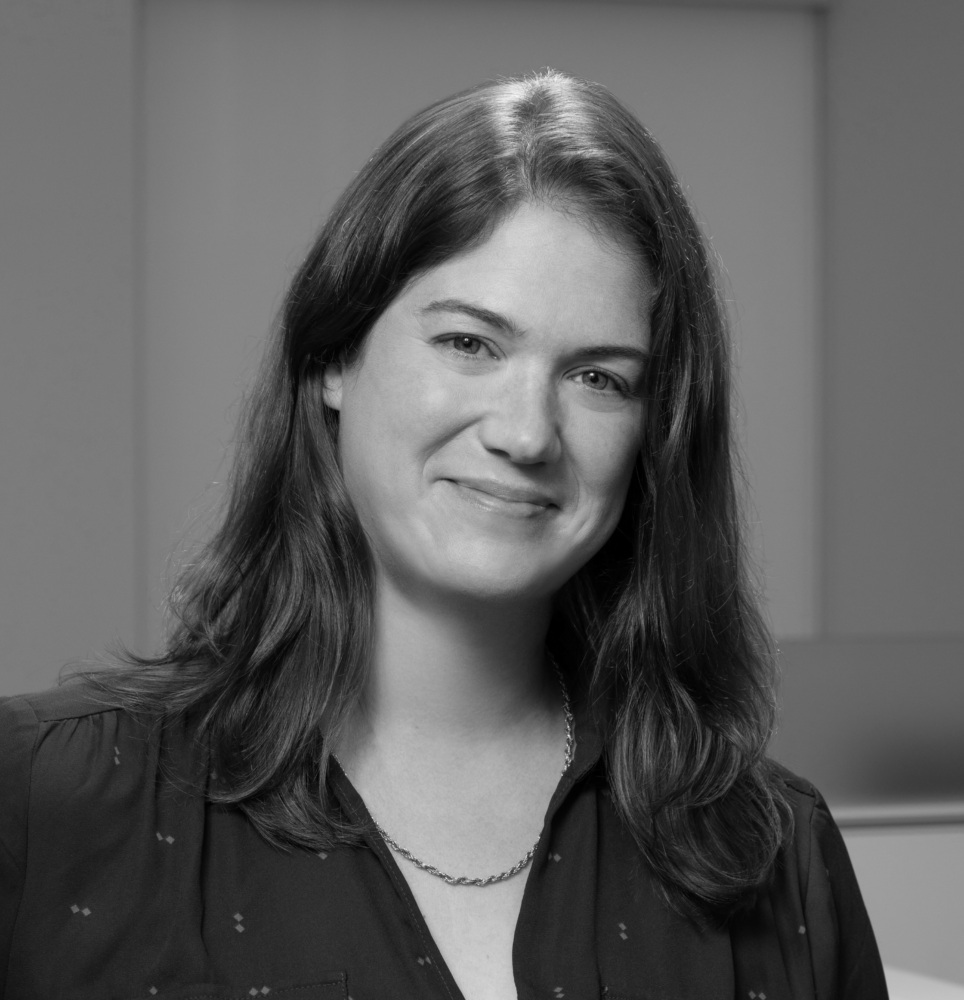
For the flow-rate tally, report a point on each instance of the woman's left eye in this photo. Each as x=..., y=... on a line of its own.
x=600, y=381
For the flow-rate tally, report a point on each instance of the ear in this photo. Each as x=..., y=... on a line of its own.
x=332, y=384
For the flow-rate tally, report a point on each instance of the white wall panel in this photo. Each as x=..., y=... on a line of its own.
x=911, y=881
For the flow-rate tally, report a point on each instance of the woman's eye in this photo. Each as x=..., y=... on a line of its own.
x=600, y=381
x=468, y=345
x=464, y=344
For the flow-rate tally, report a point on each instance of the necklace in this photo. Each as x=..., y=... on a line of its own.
x=525, y=859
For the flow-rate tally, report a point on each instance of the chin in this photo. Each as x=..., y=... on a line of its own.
x=500, y=581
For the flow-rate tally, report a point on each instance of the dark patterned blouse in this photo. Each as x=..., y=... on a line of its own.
x=117, y=880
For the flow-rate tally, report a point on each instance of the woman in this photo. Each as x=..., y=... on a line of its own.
x=482, y=533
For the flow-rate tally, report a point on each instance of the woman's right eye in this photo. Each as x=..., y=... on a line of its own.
x=463, y=344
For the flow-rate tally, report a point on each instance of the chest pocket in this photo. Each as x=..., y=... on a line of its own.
x=330, y=986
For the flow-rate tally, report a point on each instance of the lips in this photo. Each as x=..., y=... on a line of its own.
x=509, y=493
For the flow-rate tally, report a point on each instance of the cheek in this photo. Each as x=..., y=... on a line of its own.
x=365, y=425
x=392, y=418
x=607, y=467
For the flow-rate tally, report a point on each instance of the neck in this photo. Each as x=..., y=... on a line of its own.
x=453, y=670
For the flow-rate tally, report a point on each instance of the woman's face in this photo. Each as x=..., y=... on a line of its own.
x=489, y=427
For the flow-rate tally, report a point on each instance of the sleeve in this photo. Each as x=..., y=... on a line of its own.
x=19, y=728
x=846, y=962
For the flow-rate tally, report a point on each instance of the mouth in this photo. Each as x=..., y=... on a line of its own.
x=493, y=494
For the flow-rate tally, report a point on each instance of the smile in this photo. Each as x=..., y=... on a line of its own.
x=506, y=498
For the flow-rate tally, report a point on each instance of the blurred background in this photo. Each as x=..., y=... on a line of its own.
x=164, y=164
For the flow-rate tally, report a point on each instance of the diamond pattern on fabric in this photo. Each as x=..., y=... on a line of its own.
x=76, y=909
x=622, y=931
x=168, y=839
x=238, y=925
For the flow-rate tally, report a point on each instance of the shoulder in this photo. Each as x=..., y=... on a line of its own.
x=801, y=793
x=49, y=745
x=49, y=737
x=812, y=827
x=74, y=700
x=90, y=793
x=814, y=830
x=77, y=712
x=75, y=766
x=74, y=752
x=811, y=814
x=26, y=718
x=817, y=840
x=815, y=869
x=57, y=730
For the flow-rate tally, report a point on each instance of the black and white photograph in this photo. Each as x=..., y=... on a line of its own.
x=481, y=490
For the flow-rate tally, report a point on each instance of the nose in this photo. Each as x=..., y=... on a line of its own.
x=521, y=420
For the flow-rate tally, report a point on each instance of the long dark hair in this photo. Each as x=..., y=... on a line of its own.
x=270, y=641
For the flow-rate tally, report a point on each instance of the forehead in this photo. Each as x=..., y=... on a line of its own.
x=542, y=264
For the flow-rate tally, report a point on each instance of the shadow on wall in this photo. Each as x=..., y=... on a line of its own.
x=874, y=721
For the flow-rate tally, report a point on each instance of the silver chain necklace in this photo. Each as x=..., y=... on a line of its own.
x=523, y=861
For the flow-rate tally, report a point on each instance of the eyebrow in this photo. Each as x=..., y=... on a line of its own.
x=480, y=313
x=501, y=322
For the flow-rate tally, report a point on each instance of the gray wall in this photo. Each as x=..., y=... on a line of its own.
x=68, y=574
x=894, y=353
